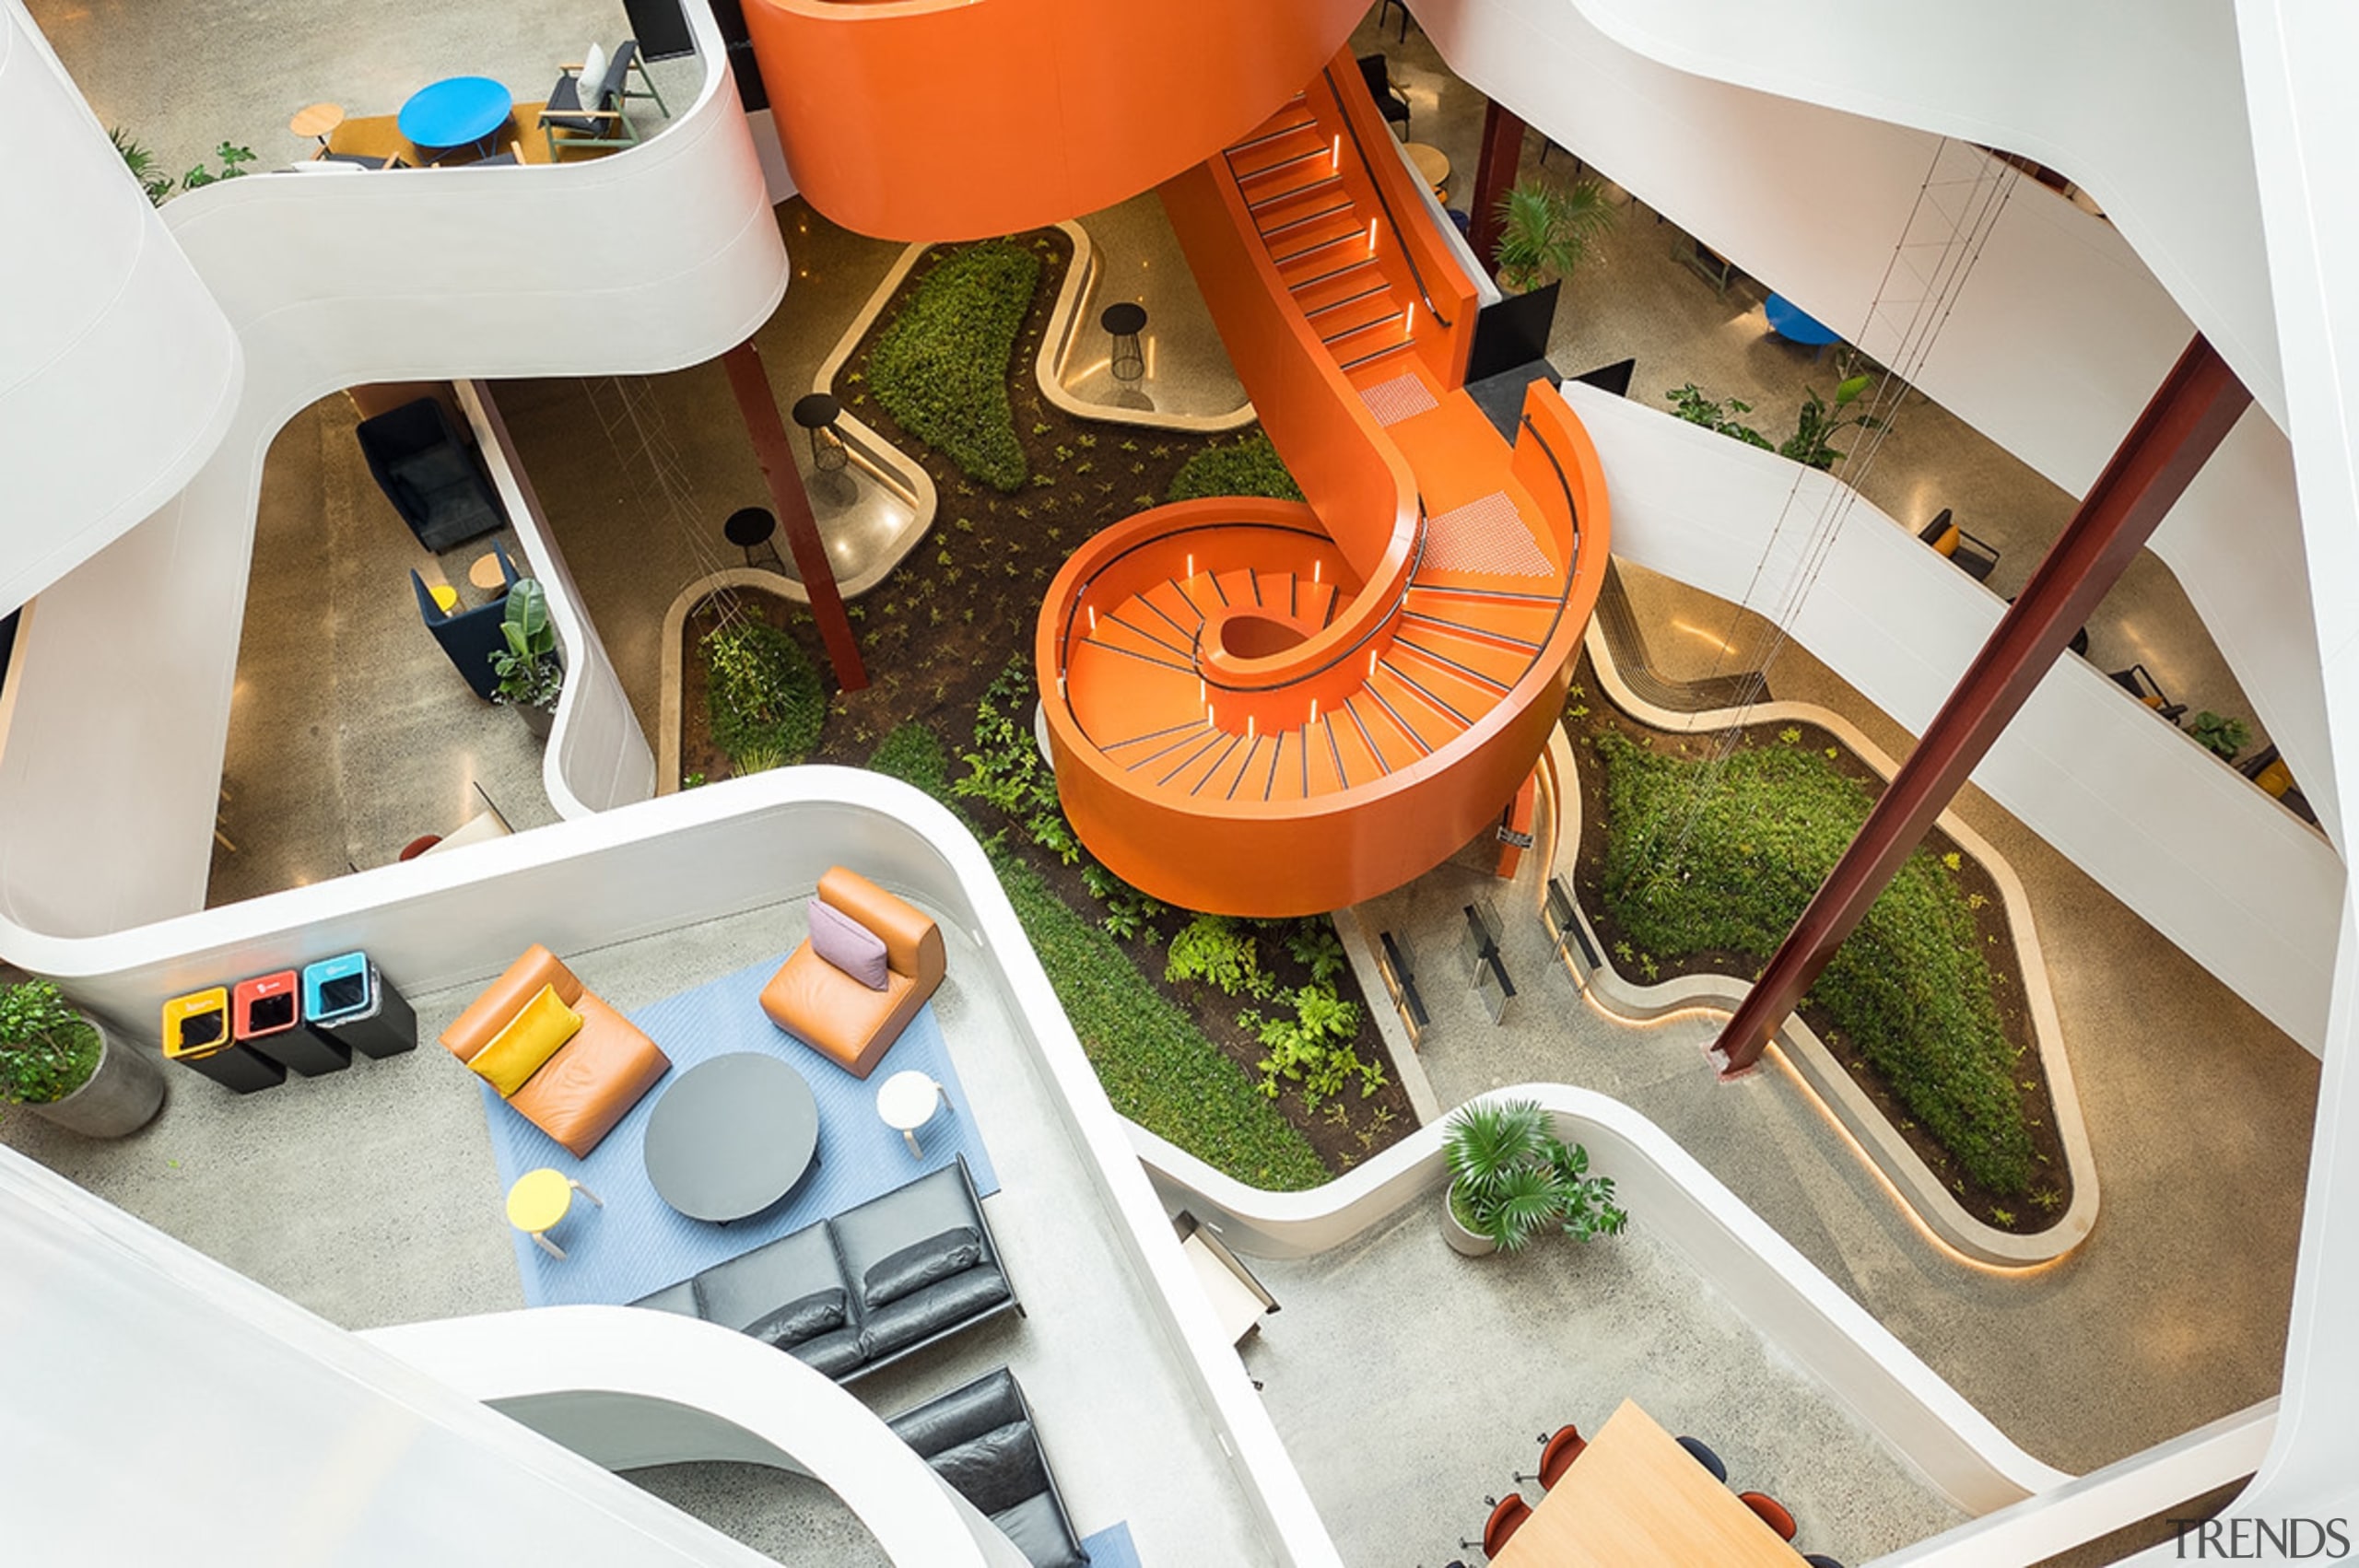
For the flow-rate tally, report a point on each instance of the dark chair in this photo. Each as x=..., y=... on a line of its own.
x=1557, y=1452
x=1975, y=557
x=471, y=636
x=1391, y=101
x=1773, y=1513
x=431, y=476
x=1393, y=6
x=2139, y=683
x=1507, y=1518
x=1706, y=1458
x=591, y=113
x=982, y=1441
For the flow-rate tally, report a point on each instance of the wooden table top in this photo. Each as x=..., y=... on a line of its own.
x=317, y=120
x=1431, y=161
x=1635, y=1499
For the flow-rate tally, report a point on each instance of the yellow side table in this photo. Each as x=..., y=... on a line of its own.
x=540, y=1199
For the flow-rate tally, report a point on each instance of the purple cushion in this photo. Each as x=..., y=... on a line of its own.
x=849, y=945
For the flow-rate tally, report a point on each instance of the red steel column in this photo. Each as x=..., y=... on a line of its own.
x=1502, y=150
x=2190, y=414
x=751, y=385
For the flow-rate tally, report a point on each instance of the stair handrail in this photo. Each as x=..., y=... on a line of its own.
x=1573, y=548
x=1408, y=253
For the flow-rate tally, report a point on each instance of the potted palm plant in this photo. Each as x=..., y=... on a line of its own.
x=1546, y=230
x=1511, y=1177
x=64, y=1066
x=530, y=674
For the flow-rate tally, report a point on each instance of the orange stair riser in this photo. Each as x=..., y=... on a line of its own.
x=968, y=118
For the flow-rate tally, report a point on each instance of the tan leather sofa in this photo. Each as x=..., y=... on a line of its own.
x=835, y=1015
x=578, y=1095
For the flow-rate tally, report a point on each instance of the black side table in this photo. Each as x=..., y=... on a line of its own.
x=816, y=412
x=751, y=530
x=1123, y=321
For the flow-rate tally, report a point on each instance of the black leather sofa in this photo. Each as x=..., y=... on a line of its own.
x=864, y=1288
x=981, y=1440
x=431, y=476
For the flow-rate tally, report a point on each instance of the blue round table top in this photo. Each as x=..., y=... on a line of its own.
x=454, y=111
x=1786, y=319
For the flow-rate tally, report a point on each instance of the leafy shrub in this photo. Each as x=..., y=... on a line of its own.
x=1511, y=1177
x=47, y=1049
x=1313, y=1049
x=914, y=754
x=1312, y=942
x=1006, y=769
x=762, y=696
x=941, y=366
x=1248, y=467
x=1156, y=1066
x=1128, y=911
x=1690, y=404
x=2222, y=736
x=1910, y=988
x=1210, y=948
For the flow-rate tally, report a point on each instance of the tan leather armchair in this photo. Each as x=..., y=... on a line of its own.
x=578, y=1095
x=835, y=1015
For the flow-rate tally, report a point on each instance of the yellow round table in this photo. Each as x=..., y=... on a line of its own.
x=318, y=120
x=541, y=1199
x=445, y=597
x=1433, y=164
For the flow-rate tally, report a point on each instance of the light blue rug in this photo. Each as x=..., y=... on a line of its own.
x=1111, y=1548
x=638, y=1242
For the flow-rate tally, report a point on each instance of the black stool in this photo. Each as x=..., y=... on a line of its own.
x=1124, y=320
x=816, y=412
x=750, y=528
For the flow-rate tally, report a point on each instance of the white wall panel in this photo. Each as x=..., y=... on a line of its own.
x=659, y=256
x=118, y=374
x=2212, y=862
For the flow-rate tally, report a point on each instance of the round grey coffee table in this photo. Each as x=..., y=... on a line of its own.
x=731, y=1137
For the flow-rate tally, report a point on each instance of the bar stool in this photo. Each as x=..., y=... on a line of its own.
x=751, y=530
x=540, y=1199
x=816, y=412
x=1123, y=321
x=906, y=1101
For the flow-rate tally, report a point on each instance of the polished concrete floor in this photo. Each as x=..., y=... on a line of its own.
x=1636, y=299
x=1188, y=373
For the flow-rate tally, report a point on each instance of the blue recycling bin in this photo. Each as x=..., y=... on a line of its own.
x=347, y=997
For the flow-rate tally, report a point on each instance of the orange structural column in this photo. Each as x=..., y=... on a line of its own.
x=957, y=119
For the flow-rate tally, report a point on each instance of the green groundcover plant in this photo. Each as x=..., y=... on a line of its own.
x=1910, y=990
x=47, y=1049
x=762, y=696
x=1248, y=467
x=941, y=366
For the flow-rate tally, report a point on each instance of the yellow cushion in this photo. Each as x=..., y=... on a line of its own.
x=2276, y=779
x=1947, y=543
x=540, y=1027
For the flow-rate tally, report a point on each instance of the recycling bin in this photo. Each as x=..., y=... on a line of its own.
x=267, y=1018
x=347, y=999
x=198, y=1035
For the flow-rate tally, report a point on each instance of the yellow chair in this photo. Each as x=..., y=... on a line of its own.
x=540, y=1199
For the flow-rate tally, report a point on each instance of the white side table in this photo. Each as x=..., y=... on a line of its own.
x=908, y=1101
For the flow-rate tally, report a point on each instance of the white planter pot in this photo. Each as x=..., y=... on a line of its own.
x=1465, y=1243
x=121, y=1096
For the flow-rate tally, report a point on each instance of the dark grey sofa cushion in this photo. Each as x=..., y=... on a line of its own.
x=1041, y=1532
x=743, y=1290
x=898, y=1324
x=997, y=1470
x=834, y=1355
x=920, y=1264
x=803, y=1318
x=874, y=1231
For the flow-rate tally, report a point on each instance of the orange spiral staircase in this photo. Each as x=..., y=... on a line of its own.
x=1266, y=707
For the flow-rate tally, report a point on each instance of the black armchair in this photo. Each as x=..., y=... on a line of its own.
x=2143, y=686
x=430, y=475
x=471, y=636
x=591, y=113
x=1391, y=101
x=981, y=1440
x=1975, y=557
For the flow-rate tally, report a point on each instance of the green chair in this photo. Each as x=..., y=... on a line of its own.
x=591, y=113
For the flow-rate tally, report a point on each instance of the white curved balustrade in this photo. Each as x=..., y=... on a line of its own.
x=659, y=256
x=108, y=330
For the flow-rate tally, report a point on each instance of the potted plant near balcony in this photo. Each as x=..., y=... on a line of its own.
x=530, y=673
x=1511, y=1177
x=1546, y=230
x=64, y=1066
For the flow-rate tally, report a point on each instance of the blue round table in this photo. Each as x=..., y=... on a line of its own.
x=454, y=111
x=1786, y=319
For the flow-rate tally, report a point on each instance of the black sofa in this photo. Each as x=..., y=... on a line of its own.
x=432, y=477
x=866, y=1288
x=981, y=1440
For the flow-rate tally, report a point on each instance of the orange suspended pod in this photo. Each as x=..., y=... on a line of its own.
x=958, y=119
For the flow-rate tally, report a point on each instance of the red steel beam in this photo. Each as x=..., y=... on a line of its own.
x=2192, y=411
x=1494, y=175
x=775, y=453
